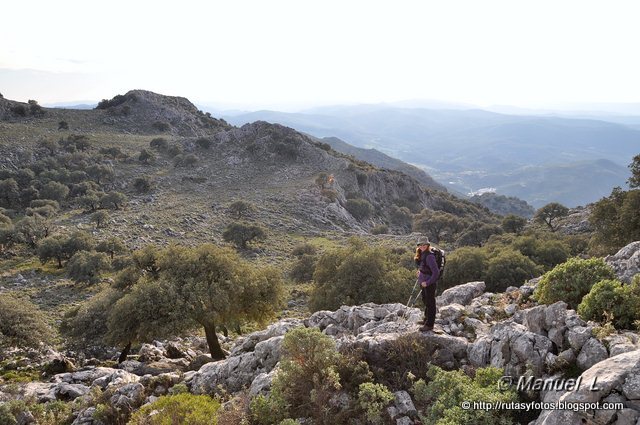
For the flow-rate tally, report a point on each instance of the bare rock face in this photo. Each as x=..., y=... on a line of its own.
x=251, y=358
x=626, y=262
x=461, y=294
x=616, y=379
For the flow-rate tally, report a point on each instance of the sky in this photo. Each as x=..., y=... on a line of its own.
x=284, y=54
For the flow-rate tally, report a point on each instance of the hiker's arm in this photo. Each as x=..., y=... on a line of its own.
x=435, y=272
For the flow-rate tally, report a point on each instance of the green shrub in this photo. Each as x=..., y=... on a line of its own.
x=358, y=274
x=159, y=143
x=178, y=409
x=50, y=413
x=86, y=266
x=330, y=194
x=161, y=126
x=307, y=379
x=241, y=234
x=466, y=264
x=509, y=268
x=113, y=200
x=359, y=208
x=55, y=191
x=6, y=417
x=22, y=323
x=380, y=229
x=100, y=218
x=146, y=157
x=203, y=143
x=439, y=401
x=513, y=223
x=373, y=399
x=302, y=270
x=610, y=300
x=302, y=249
x=240, y=208
x=142, y=184
x=571, y=281
x=545, y=252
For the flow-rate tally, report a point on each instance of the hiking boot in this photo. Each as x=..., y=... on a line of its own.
x=426, y=328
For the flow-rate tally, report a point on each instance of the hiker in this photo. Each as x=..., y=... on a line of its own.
x=428, y=274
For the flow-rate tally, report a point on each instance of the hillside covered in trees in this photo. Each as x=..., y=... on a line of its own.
x=154, y=258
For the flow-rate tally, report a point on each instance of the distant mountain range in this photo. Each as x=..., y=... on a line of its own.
x=537, y=158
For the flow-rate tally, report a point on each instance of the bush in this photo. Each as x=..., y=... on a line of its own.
x=113, y=199
x=203, y=143
x=509, y=268
x=359, y=208
x=49, y=413
x=100, y=218
x=161, y=126
x=466, y=264
x=330, y=194
x=86, y=266
x=610, y=300
x=142, y=184
x=307, y=379
x=240, y=234
x=442, y=397
x=54, y=190
x=112, y=152
x=303, y=269
x=545, y=252
x=513, y=223
x=302, y=249
x=380, y=229
x=373, y=399
x=63, y=125
x=21, y=323
x=146, y=157
x=358, y=274
x=112, y=246
x=240, y=208
x=571, y=281
x=178, y=409
x=159, y=143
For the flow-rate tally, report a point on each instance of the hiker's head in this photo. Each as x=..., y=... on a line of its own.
x=423, y=243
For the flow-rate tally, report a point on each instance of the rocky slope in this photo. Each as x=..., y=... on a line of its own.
x=478, y=329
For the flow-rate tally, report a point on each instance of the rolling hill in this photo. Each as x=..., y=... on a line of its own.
x=474, y=149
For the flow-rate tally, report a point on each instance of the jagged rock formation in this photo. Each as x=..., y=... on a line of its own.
x=148, y=112
x=626, y=262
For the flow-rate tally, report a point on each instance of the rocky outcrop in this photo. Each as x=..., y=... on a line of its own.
x=461, y=294
x=626, y=262
x=615, y=380
x=251, y=357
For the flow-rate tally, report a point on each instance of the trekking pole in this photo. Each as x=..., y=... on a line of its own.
x=409, y=301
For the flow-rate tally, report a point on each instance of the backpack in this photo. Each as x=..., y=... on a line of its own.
x=441, y=259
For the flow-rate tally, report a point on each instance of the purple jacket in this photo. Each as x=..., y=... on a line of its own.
x=429, y=271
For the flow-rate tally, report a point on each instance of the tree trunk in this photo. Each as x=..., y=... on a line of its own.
x=212, y=341
x=125, y=352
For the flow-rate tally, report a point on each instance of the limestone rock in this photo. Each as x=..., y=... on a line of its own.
x=404, y=404
x=461, y=294
x=610, y=376
x=578, y=336
x=128, y=397
x=626, y=262
x=592, y=352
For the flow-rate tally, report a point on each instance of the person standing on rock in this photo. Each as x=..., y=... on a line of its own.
x=428, y=274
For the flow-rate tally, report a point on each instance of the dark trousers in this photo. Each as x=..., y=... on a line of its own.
x=429, y=300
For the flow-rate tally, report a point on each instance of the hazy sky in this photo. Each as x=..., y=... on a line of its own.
x=281, y=53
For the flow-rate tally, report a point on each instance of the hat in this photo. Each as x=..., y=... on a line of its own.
x=423, y=241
